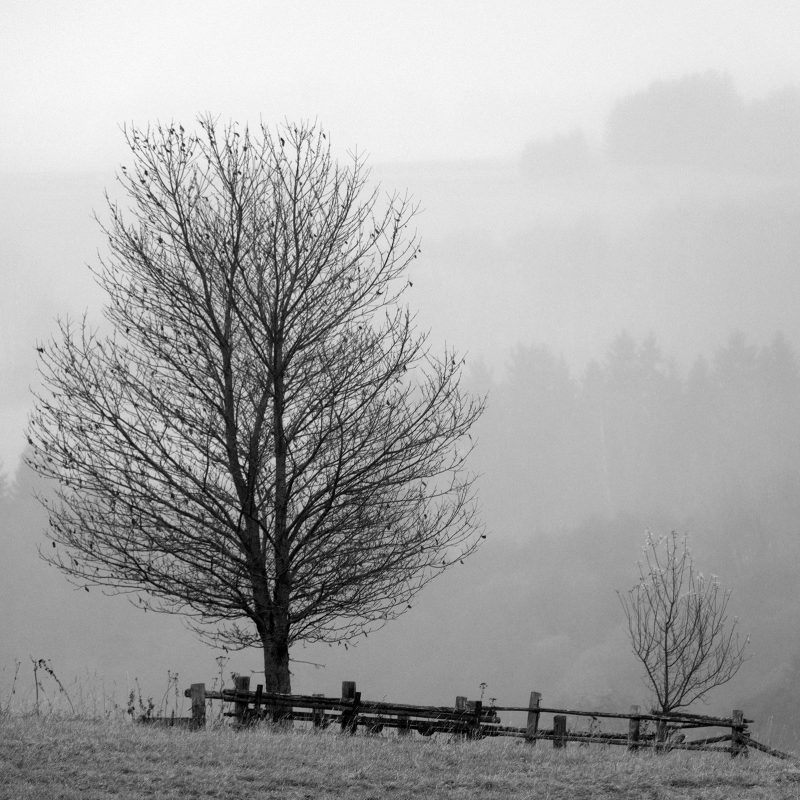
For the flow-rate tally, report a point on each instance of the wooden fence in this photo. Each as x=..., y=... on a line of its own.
x=472, y=719
x=348, y=711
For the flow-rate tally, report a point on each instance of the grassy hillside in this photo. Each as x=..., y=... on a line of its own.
x=51, y=757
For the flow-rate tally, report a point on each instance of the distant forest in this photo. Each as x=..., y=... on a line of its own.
x=633, y=435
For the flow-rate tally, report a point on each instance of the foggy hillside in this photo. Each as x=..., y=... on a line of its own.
x=646, y=232
x=630, y=309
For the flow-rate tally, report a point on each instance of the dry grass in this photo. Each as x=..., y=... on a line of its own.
x=56, y=757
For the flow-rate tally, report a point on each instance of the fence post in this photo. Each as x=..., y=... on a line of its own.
x=198, y=694
x=257, y=700
x=738, y=734
x=474, y=729
x=349, y=717
x=241, y=684
x=532, y=727
x=461, y=708
x=661, y=735
x=559, y=731
x=348, y=690
x=403, y=725
x=633, y=729
x=317, y=714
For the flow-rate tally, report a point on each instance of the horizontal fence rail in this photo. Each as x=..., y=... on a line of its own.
x=701, y=720
x=472, y=719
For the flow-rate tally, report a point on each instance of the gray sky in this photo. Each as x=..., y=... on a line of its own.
x=405, y=82
x=402, y=80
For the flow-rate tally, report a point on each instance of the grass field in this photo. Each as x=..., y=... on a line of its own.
x=70, y=758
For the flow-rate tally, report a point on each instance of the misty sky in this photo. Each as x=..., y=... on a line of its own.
x=412, y=83
x=584, y=168
x=404, y=80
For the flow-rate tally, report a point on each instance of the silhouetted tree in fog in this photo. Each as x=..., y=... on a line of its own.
x=678, y=625
x=265, y=443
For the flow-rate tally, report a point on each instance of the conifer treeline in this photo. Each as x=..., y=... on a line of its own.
x=634, y=435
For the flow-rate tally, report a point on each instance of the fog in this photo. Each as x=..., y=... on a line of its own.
x=627, y=302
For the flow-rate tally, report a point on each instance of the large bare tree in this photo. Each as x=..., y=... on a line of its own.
x=678, y=625
x=263, y=441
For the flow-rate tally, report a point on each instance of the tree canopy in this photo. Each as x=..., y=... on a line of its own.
x=678, y=625
x=264, y=442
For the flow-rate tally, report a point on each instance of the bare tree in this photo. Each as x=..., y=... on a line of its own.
x=265, y=443
x=678, y=625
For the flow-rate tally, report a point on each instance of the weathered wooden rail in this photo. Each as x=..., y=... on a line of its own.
x=472, y=719
x=348, y=711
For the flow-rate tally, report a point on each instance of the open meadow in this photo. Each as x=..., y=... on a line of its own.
x=97, y=759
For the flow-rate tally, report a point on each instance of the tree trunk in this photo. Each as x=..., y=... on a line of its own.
x=277, y=677
x=272, y=622
x=276, y=642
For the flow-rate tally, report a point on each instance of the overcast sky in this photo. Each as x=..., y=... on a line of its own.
x=416, y=82
x=401, y=80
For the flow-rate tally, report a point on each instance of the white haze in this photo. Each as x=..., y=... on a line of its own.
x=581, y=173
